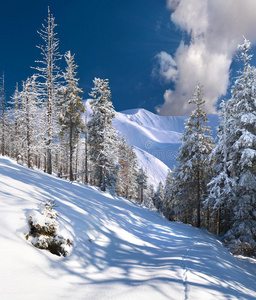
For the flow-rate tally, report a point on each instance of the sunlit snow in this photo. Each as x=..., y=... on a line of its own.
x=121, y=250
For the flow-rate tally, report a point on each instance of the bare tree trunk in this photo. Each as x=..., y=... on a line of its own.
x=103, y=179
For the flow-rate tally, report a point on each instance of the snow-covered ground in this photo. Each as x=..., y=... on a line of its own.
x=121, y=250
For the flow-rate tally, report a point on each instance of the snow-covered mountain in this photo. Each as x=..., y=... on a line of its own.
x=156, y=139
x=121, y=250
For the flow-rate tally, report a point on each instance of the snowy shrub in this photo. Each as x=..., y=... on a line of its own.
x=241, y=240
x=44, y=230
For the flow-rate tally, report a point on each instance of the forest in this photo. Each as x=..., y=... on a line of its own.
x=46, y=126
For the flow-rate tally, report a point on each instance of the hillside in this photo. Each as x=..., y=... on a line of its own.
x=156, y=137
x=121, y=250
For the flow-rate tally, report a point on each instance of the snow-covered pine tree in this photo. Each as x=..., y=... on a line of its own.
x=191, y=174
x=127, y=172
x=159, y=197
x=242, y=157
x=29, y=117
x=86, y=152
x=142, y=184
x=17, y=135
x=15, y=139
x=49, y=75
x=3, y=116
x=71, y=109
x=221, y=186
x=102, y=136
x=148, y=196
x=168, y=209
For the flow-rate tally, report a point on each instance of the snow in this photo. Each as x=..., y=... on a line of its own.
x=155, y=169
x=121, y=250
x=159, y=136
x=156, y=139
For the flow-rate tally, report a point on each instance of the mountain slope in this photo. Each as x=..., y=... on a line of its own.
x=121, y=251
x=158, y=136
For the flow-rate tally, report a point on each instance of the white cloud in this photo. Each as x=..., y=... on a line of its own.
x=166, y=67
x=216, y=28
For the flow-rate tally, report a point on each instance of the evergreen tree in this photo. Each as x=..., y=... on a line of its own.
x=127, y=172
x=159, y=197
x=168, y=208
x=29, y=117
x=148, y=196
x=242, y=157
x=221, y=186
x=191, y=174
x=142, y=185
x=49, y=74
x=3, y=117
x=102, y=136
x=71, y=109
x=17, y=134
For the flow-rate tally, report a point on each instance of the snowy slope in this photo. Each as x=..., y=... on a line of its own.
x=136, y=135
x=156, y=139
x=122, y=251
x=158, y=135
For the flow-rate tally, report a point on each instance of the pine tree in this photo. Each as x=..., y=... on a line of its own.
x=168, y=208
x=127, y=172
x=159, y=197
x=242, y=157
x=86, y=152
x=29, y=117
x=148, y=196
x=71, y=108
x=17, y=134
x=49, y=74
x=102, y=136
x=191, y=174
x=3, y=117
x=142, y=184
x=221, y=186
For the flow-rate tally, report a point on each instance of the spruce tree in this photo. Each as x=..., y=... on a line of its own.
x=168, y=208
x=17, y=135
x=49, y=76
x=127, y=172
x=159, y=197
x=142, y=184
x=3, y=117
x=242, y=157
x=29, y=117
x=102, y=137
x=70, y=109
x=191, y=174
x=221, y=187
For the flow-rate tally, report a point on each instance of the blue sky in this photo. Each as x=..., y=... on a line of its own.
x=112, y=39
x=152, y=51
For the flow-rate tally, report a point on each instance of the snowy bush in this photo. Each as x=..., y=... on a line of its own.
x=241, y=240
x=44, y=230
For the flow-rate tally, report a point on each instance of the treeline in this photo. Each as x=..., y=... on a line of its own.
x=47, y=126
x=214, y=184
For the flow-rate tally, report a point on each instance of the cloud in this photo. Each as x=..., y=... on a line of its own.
x=166, y=67
x=215, y=28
